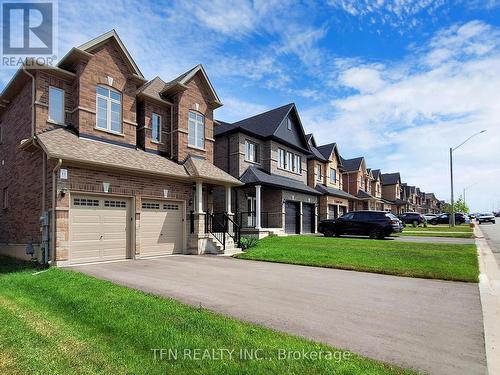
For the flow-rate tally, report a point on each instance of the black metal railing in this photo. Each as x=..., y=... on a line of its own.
x=246, y=219
x=236, y=232
x=216, y=228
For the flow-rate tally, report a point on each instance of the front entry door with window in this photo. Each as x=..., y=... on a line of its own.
x=251, y=212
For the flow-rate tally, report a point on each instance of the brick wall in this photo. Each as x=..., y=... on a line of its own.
x=195, y=98
x=21, y=173
x=106, y=62
x=145, y=111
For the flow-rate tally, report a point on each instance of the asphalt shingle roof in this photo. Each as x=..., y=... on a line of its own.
x=376, y=174
x=333, y=191
x=264, y=124
x=65, y=145
x=350, y=165
x=391, y=178
x=254, y=176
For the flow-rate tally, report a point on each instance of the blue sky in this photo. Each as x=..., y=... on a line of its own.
x=396, y=81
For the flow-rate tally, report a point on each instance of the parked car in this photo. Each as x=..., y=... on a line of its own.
x=497, y=214
x=376, y=224
x=486, y=218
x=445, y=219
x=429, y=216
x=412, y=218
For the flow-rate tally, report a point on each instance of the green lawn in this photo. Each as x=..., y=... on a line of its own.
x=426, y=260
x=62, y=322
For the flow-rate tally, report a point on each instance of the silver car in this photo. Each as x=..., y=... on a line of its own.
x=486, y=218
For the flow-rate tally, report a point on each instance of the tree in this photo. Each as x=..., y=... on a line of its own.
x=459, y=205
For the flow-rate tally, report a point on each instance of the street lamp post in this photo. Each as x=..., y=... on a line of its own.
x=452, y=214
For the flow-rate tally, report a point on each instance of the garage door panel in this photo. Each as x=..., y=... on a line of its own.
x=99, y=229
x=161, y=228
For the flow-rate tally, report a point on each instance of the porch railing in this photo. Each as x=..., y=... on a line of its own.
x=217, y=224
x=246, y=219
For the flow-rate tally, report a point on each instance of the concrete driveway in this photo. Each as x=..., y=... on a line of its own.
x=428, y=325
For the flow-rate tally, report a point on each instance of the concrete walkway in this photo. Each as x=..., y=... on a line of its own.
x=489, y=286
x=428, y=325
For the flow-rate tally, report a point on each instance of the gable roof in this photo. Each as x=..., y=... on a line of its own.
x=350, y=165
x=390, y=178
x=86, y=48
x=179, y=84
x=314, y=150
x=376, y=174
x=326, y=151
x=254, y=175
x=152, y=89
x=265, y=125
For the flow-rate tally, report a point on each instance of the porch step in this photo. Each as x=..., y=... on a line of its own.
x=276, y=232
x=218, y=249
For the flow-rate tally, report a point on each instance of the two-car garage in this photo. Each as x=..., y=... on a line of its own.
x=102, y=228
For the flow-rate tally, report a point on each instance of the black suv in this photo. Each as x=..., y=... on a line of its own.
x=445, y=219
x=412, y=218
x=376, y=224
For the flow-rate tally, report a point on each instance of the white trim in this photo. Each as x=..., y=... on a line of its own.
x=196, y=135
x=109, y=102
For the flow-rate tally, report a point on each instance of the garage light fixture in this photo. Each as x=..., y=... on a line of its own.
x=105, y=187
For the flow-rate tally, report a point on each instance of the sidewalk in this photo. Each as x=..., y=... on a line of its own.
x=489, y=289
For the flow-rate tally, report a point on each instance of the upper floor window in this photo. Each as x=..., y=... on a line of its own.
x=319, y=172
x=289, y=161
x=56, y=105
x=288, y=123
x=1, y=134
x=196, y=130
x=109, y=109
x=156, y=127
x=281, y=158
x=333, y=175
x=5, y=198
x=362, y=184
x=298, y=164
x=250, y=151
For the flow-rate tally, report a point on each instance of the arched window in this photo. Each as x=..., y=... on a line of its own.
x=196, y=130
x=109, y=109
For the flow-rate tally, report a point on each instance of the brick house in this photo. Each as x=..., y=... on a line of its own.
x=431, y=205
x=97, y=163
x=381, y=204
x=392, y=192
x=268, y=153
x=324, y=168
x=357, y=181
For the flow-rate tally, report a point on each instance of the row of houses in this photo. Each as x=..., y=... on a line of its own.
x=291, y=181
x=98, y=163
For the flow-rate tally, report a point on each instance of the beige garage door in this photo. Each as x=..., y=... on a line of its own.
x=99, y=228
x=161, y=227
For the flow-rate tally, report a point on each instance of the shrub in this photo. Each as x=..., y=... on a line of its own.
x=248, y=242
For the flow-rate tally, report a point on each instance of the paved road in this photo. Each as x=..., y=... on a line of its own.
x=492, y=235
x=429, y=325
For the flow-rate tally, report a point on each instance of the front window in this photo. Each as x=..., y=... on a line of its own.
x=318, y=172
x=196, y=136
x=156, y=127
x=298, y=164
x=333, y=176
x=5, y=198
x=290, y=161
x=109, y=109
x=56, y=105
x=250, y=151
x=282, y=158
x=289, y=124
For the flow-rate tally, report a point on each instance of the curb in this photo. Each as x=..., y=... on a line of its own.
x=489, y=290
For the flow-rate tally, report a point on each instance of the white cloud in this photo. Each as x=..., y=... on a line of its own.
x=409, y=121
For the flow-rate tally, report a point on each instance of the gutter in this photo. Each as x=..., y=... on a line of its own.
x=54, y=198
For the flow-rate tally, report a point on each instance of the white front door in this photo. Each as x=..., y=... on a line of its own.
x=251, y=211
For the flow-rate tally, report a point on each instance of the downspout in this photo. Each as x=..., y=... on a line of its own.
x=33, y=97
x=54, y=198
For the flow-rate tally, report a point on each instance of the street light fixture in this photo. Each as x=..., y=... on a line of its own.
x=452, y=214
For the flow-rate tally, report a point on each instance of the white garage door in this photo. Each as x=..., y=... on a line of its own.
x=161, y=227
x=99, y=228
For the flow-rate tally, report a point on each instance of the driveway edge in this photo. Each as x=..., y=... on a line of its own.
x=489, y=290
